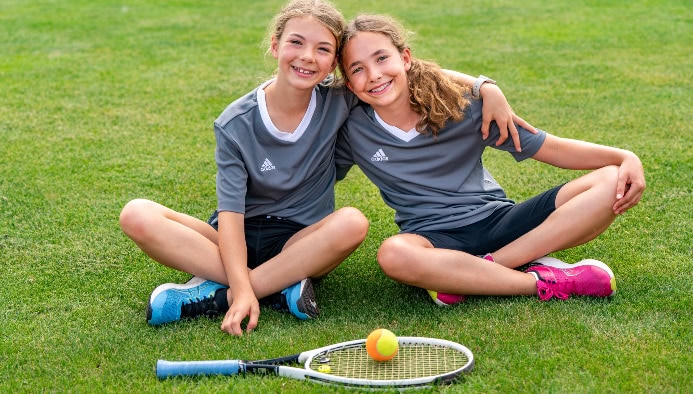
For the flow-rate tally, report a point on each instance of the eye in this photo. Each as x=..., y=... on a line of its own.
x=382, y=58
x=356, y=70
x=325, y=49
x=295, y=42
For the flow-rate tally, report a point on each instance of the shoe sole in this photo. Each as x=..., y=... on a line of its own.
x=556, y=263
x=307, y=293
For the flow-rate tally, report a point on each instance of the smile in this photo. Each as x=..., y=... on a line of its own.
x=380, y=88
x=303, y=71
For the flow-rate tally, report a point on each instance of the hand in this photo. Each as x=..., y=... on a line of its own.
x=244, y=305
x=496, y=108
x=631, y=184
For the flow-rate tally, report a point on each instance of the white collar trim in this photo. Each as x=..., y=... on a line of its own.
x=405, y=136
x=267, y=121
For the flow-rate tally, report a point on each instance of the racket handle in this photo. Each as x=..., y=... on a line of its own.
x=166, y=369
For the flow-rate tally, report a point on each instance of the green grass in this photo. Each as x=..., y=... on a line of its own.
x=102, y=102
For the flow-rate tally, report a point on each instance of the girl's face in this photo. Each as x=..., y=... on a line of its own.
x=305, y=53
x=376, y=71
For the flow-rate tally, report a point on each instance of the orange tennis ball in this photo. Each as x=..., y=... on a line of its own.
x=382, y=345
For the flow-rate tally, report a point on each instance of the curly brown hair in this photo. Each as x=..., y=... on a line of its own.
x=434, y=95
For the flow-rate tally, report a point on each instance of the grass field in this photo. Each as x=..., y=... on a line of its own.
x=103, y=101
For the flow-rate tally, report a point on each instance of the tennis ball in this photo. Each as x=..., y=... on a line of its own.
x=382, y=345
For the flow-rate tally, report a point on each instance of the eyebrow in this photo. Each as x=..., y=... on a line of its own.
x=374, y=54
x=304, y=39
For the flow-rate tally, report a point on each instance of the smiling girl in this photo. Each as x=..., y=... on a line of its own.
x=275, y=228
x=417, y=137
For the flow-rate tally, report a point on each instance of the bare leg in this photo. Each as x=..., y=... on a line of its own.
x=188, y=244
x=312, y=252
x=412, y=260
x=174, y=239
x=583, y=212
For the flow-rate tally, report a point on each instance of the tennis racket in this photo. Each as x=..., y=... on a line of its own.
x=420, y=362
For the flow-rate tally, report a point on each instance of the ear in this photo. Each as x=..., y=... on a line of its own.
x=274, y=47
x=406, y=58
x=348, y=85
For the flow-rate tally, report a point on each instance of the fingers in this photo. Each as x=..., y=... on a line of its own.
x=519, y=121
x=503, y=129
x=253, y=319
x=627, y=196
x=485, y=126
x=625, y=203
x=232, y=323
x=515, y=136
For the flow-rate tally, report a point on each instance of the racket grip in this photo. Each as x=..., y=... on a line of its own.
x=166, y=369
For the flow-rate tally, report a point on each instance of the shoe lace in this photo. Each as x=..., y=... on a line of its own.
x=197, y=306
x=546, y=291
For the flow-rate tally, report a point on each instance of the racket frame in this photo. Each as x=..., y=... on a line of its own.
x=274, y=366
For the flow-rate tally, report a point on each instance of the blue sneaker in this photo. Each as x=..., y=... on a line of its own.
x=297, y=299
x=198, y=297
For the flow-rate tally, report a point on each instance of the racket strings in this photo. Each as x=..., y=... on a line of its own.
x=411, y=362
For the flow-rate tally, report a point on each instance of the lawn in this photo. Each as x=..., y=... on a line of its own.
x=102, y=102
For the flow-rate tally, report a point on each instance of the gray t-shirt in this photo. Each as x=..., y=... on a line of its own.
x=432, y=183
x=263, y=171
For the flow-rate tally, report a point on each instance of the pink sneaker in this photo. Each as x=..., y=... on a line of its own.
x=446, y=299
x=561, y=280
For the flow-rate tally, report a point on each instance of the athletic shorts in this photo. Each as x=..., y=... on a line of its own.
x=505, y=225
x=265, y=236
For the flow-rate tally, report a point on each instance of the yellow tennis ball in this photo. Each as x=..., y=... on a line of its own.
x=382, y=345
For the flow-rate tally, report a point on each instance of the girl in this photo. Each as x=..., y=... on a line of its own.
x=275, y=228
x=418, y=141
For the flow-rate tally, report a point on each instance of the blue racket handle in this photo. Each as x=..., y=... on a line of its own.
x=165, y=369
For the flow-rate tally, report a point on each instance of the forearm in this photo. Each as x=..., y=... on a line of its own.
x=462, y=78
x=579, y=155
x=233, y=251
x=468, y=80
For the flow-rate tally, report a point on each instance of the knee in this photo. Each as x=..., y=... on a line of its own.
x=353, y=225
x=134, y=218
x=606, y=178
x=392, y=258
x=609, y=175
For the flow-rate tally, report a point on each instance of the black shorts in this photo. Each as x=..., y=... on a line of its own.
x=505, y=225
x=265, y=236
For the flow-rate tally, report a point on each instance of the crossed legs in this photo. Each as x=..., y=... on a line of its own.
x=583, y=211
x=188, y=244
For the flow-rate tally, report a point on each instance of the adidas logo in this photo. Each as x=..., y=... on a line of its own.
x=379, y=156
x=267, y=166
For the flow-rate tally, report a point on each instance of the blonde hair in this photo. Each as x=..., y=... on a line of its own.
x=434, y=95
x=323, y=11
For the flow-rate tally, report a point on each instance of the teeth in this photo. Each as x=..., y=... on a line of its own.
x=303, y=71
x=380, y=88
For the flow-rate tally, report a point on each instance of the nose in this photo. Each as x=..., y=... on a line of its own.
x=374, y=74
x=308, y=55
